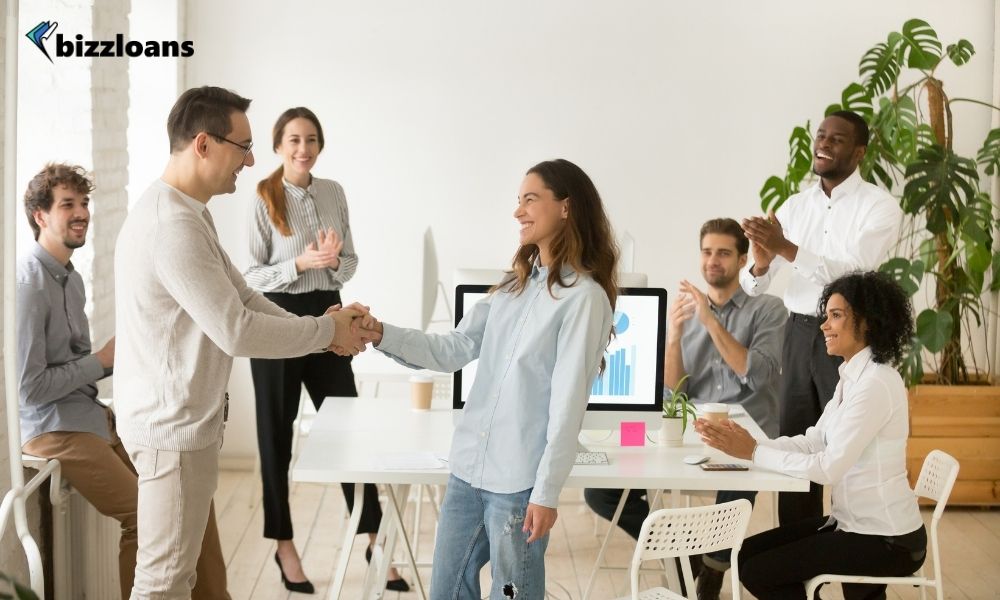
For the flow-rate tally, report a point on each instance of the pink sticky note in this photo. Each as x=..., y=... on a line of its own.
x=633, y=433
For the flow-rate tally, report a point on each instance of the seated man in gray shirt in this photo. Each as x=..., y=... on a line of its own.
x=61, y=417
x=729, y=345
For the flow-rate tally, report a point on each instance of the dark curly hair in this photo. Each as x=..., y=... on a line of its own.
x=878, y=301
x=39, y=193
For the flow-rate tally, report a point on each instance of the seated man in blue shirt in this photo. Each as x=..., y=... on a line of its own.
x=61, y=417
x=729, y=346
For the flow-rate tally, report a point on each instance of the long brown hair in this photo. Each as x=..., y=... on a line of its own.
x=585, y=242
x=272, y=190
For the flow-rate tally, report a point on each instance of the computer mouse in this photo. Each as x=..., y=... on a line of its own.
x=695, y=459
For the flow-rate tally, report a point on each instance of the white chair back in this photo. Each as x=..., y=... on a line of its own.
x=681, y=532
x=937, y=477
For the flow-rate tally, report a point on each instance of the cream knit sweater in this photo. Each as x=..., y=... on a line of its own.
x=182, y=312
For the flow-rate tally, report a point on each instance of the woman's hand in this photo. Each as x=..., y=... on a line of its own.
x=329, y=243
x=728, y=437
x=314, y=258
x=538, y=520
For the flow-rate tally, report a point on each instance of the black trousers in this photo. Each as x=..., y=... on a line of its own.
x=277, y=387
x=809, y=377
x=775, y=565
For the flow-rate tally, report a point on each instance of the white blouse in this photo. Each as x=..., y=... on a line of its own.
x=859, y=447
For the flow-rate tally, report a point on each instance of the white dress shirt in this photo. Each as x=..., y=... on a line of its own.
x=859, y=446
x=852, y=230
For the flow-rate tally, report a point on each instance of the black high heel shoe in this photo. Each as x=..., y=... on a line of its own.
x=393, y=585
x=302, y=587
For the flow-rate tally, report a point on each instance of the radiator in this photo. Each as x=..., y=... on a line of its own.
x=92, y=550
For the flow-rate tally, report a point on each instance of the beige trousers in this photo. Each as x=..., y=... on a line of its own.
x=103, y=474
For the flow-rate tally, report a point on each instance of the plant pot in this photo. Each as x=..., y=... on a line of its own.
x=964, y=421
x=671, y=432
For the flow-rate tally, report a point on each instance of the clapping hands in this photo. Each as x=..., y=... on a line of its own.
x=324, y=253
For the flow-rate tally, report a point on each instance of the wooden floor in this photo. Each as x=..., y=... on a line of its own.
x=970, y=547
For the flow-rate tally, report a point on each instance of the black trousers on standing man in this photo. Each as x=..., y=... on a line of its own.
x=277, y=386
x=809, y=377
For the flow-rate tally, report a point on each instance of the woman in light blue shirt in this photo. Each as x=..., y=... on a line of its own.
x=540, y=337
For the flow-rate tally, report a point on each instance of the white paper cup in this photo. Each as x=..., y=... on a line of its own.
x=421, y=392
x=714, y=411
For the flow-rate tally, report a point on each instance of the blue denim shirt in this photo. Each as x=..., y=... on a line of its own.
x=538, y=356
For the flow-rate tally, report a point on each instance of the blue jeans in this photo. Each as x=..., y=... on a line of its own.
x=476, y=527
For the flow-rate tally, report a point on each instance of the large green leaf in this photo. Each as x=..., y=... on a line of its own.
x=938, y=183
x=856, y=98
x=989, y=155
x=934, y=328
x=800, y=153
x=960, y=52
x=928, y=252
x=920, y=45
x=907, y=274
x=978, y=261
x=896, y=123
x=879, y=67
x=773, y=194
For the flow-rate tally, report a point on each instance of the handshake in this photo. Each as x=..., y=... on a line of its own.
x=354, y=329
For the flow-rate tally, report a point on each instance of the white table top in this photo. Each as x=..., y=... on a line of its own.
x=350, y=436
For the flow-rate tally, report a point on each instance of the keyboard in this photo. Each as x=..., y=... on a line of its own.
x=591, y=458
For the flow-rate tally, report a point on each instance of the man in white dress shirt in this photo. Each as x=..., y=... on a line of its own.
x=839, y=225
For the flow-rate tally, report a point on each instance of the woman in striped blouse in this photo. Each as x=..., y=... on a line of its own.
x=302, y=254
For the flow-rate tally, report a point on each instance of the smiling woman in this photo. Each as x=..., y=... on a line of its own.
x=858, y=446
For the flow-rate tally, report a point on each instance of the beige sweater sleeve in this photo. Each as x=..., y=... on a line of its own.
x=193, y=269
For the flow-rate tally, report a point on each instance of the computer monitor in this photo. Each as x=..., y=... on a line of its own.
x=631, y=387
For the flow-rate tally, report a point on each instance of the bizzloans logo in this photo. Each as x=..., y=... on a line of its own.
x=118, y=47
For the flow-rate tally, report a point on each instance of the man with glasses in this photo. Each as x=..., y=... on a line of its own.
x=183, y=311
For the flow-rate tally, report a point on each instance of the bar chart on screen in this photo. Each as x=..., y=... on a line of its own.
x=618, y=378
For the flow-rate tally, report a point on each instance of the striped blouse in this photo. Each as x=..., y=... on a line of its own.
x=272, y=255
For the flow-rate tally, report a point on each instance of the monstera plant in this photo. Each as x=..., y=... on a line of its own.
x=948, y=237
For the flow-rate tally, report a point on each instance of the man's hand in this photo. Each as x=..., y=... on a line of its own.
x=761, y=259
x=728, y=437
x=345, y=341
x=769, y=235
x=538, y=520
x=704, y=312
x=680, y=311
x=106, y=355
x=329, y=243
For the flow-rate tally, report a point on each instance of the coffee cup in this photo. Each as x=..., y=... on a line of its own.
x=421, y=391
x=715, y=412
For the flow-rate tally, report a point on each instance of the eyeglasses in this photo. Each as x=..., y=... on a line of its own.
x=246, y=149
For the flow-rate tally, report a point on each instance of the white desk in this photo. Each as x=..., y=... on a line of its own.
x=350, y=434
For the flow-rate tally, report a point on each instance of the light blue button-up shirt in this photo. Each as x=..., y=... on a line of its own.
x=538, y=356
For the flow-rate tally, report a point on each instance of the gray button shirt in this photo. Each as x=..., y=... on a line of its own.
x=56, y=371
x=757, y=322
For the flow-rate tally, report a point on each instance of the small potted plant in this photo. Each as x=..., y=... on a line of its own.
x=676, y=410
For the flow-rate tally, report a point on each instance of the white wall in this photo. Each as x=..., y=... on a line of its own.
x=434, y=110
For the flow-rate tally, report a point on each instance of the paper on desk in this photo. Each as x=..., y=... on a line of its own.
x=409, y=461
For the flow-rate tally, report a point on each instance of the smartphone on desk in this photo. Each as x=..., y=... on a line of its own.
x=723, y=467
